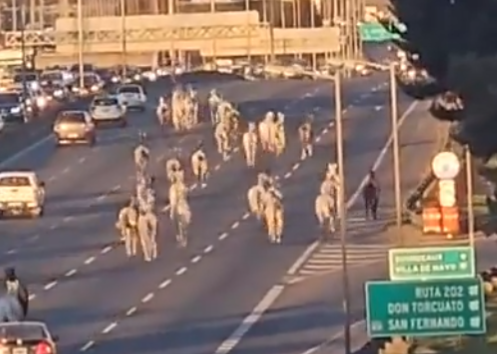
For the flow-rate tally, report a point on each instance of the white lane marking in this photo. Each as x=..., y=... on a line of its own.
x=106, y=250
x=131, y=311
x=208, y=249
x=165, y=284
x=223, y=236
x=87, y=346
x=248, y=322
x=109, y=328
x=196, y=259
x=148, y=297
x=71, y=272
x=50, y=285
x=90, y=260
x=181, y=271
x=19, y=155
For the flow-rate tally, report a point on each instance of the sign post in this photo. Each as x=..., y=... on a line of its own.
x=425, y=308
x=431, y=263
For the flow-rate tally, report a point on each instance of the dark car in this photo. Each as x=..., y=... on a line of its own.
x=27, y=337
x=12, y=107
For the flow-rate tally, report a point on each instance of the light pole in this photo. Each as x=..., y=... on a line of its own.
x=469, y=202
x=122, y=9
x=394, y=116
x=396, y=151
x=80, y=44
x=342, y=209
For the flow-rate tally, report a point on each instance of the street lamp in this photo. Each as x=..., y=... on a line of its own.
x=394, y=116
x=342, y=209
x=122, y=10
x=80, y=44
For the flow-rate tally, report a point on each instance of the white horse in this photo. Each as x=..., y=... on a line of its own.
x=305, y=137
x=255, y=200
x=325, y=209
x=222, y=139
x=265, y=128
x=183, y=218
x=274, y=215
x=178, y=191
x=250, y=142
x=200, y=166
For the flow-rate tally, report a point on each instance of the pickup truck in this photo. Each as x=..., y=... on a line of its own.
x=21, y=194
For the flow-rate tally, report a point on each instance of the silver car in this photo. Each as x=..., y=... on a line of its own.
x=108, y=110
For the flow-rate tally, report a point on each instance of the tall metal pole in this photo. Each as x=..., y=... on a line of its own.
x=396, y=151
x=469, y=202
x=79, y=11
x=342, y=210
x=122, y=8
x=213, y=5
x=282, y=13
x=32, y=14
x=313, y=25
x=13, y=10
x=249, y=31
x=23, y=51
x=271, y=30
x=41, y=14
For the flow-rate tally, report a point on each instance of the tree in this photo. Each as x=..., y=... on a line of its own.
x=456, y=41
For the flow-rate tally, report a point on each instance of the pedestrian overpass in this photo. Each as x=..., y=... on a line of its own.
x=224, y=34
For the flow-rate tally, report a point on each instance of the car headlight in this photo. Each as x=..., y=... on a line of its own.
x=35, y=85
x=115, y=79
x=94, y=88
x=15, y=110
x=58, y=93
x=137, y=77
x=152, y=77
x=41, y=102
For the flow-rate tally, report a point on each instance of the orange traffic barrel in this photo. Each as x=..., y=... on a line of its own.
x=432, y=220
x=450, y=221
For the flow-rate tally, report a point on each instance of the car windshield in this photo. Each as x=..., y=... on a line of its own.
x=25, y=332
x=26, y=77
x=105, y=102
x=14, y=181
x=129, y=89
x=51, y=76
x=9, y=98
x=73, y=117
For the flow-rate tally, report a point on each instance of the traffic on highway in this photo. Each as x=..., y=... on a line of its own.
x=153, y=216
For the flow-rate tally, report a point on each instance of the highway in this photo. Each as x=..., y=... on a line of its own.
x=190, y=300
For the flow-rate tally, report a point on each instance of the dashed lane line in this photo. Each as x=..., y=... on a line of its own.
x=208, y=249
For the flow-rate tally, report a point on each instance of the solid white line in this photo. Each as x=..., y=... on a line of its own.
x=247, y=323
x=25, y=151
x=234, y=339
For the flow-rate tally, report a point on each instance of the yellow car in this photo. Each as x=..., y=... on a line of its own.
x=73, y=127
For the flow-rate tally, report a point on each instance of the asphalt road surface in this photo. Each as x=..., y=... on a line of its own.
x=188, y=301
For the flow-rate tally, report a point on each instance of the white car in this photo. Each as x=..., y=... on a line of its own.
x=21, y=193
x=108, y=109
x=132, y=96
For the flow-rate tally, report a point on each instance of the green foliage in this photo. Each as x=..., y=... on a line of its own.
x=457, y=44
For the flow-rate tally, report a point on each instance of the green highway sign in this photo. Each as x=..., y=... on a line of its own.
x=431, y=263
x=375, y=32
x=425, y=308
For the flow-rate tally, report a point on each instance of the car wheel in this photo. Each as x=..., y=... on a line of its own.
x=123, y=123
